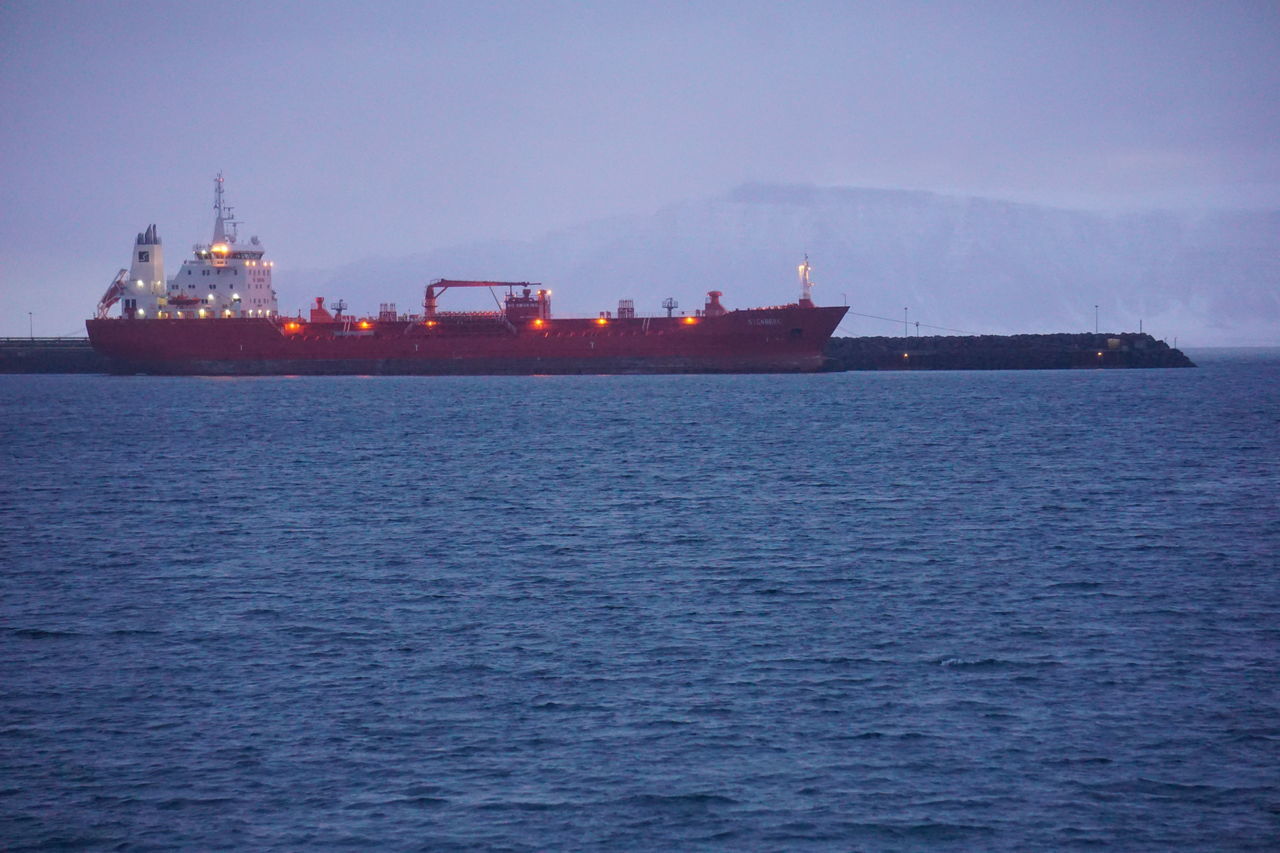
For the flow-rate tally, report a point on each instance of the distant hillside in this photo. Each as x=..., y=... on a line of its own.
x=963, y=264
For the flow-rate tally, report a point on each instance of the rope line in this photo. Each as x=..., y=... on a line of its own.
x=914, y=323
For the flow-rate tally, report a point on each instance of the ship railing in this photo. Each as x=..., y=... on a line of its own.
x=501, y=317
x=480, y=315
x=612, y=317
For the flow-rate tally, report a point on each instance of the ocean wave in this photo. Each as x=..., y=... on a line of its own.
x=994, y=663
x=42, y=634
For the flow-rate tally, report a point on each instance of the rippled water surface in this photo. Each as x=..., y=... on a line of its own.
x=1000, y=611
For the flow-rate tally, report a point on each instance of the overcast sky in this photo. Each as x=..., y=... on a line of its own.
x=348, y=130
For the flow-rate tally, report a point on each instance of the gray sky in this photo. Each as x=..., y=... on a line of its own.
x=348, y=130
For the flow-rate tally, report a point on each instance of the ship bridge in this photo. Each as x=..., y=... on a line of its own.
x=223, y=278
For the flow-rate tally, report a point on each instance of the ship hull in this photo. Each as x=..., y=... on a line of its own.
x=767, y=340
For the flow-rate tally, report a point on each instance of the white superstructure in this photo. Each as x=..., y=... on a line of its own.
x=223, y=278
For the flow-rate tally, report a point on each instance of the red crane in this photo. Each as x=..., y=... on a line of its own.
x=440, y=285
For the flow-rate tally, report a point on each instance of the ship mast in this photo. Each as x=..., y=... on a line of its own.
x=224, y=215
x=806, y=286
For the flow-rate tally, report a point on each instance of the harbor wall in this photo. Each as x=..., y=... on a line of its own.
x=50, y=355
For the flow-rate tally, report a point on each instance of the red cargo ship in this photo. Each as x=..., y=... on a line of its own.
x=218, y=316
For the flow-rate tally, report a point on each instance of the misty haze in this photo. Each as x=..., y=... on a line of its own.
x=644, y=150
x=961, y=265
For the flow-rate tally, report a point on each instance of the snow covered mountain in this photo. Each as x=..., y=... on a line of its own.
x=955, y=263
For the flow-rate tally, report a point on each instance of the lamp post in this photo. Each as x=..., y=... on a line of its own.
x=905, y=332
x=1095, y=319
x=31, y=327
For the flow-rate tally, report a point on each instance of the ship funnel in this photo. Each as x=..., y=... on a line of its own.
x=714, y=308
x=146, y=292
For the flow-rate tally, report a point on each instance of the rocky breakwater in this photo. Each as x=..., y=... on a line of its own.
x=50, y=355
x=1004, y=352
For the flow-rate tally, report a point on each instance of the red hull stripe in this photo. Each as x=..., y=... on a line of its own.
x=767, y=339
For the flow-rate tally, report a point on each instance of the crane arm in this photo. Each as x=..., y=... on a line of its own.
x=440, y=285
x=114, y=291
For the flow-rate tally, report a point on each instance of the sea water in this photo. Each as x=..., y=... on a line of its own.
x=998, y=611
